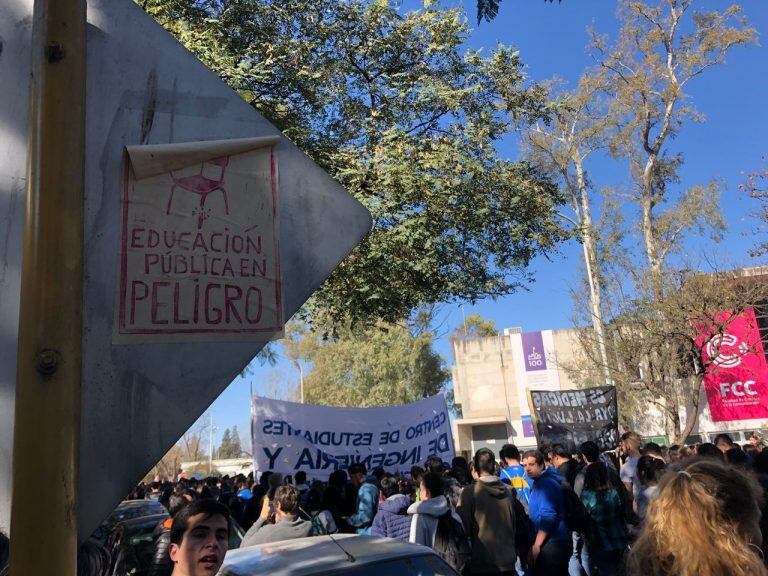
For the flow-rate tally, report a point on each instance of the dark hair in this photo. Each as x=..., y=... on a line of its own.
x=434, y=464
x=301, y=477
x=761, y=462
x=485, y=461
x=737, y=457
x=389, y=486
x=723, y=437
x=433, y=482
x=314, y=500
x=561, y=451
x=337, y=478
x=649, y=469
x=459, y=462
x=596, y=477
x=357, y=468
x=176, y=503
x=590, y=451
x=417, y=472
x=537, y=455
x=287, y=496
x=331, y=498
x=709, y=450
x=652, y=448
x=378, y=473
x=264, y=479
x=5, y=550
x=204, y=506
x=509, y=452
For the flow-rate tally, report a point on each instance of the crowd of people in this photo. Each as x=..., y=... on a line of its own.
x=554, y=511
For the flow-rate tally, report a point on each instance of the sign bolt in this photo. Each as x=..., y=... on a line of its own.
x=47, y=361
x=54, y=52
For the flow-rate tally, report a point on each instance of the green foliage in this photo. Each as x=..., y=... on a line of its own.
x=230, y=446
x=394, y=109
x=381, y=365
x=475, y=326
x=488, y=9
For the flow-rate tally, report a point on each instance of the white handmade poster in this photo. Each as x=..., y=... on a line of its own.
x=199, y=256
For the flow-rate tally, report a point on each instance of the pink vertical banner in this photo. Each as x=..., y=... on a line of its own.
x=736, y=381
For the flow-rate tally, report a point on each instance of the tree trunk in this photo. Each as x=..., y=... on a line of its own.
x=651, y=247
x=593, y=273
x=692, y=415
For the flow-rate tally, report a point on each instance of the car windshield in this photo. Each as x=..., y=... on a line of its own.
x=430, y=565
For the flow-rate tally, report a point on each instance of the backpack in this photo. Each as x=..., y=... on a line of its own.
x=452, y=542
x=524, y=532
x=575, y=515
x=317, y=526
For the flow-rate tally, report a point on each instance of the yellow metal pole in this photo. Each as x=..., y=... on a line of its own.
x=47, y=416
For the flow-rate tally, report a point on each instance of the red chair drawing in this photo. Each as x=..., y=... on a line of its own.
x=202, y=185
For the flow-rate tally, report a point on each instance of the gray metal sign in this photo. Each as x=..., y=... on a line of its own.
x=145, y=88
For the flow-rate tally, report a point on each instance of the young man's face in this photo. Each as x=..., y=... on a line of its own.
x=202, y=548
x=532, y=468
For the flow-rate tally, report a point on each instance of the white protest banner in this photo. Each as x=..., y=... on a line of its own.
x=288, y=437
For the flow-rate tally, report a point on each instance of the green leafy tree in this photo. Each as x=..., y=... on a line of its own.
x=237, y=448
x=475, y=326
x=230, y=446
x=226, y=444
x=379, y=365
x=394, y=108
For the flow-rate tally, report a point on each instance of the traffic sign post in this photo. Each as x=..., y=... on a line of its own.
x=139, y=396
x=47, y=415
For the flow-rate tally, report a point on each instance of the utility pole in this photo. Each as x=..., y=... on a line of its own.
x=210, y=443
x=464, y=319
x=301, y=380
x=47, y=410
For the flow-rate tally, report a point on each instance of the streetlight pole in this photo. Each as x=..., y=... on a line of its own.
x=464, y=319
x=210, y=444
x=301, y=380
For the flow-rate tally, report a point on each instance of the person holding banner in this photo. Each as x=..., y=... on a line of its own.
x=367, y=498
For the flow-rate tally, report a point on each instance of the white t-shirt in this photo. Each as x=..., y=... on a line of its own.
x=629, y=474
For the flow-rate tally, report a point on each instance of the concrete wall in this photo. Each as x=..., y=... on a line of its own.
x=484, y=377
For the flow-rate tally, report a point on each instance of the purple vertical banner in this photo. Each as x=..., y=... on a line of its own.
x=533, y=351
x=527, y=426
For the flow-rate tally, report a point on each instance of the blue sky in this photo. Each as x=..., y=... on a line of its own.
x=552, y=40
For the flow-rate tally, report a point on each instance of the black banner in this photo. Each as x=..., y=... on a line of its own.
x=570, y=417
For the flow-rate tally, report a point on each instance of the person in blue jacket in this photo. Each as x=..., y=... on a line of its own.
x=367, y=499
x=553, y=545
